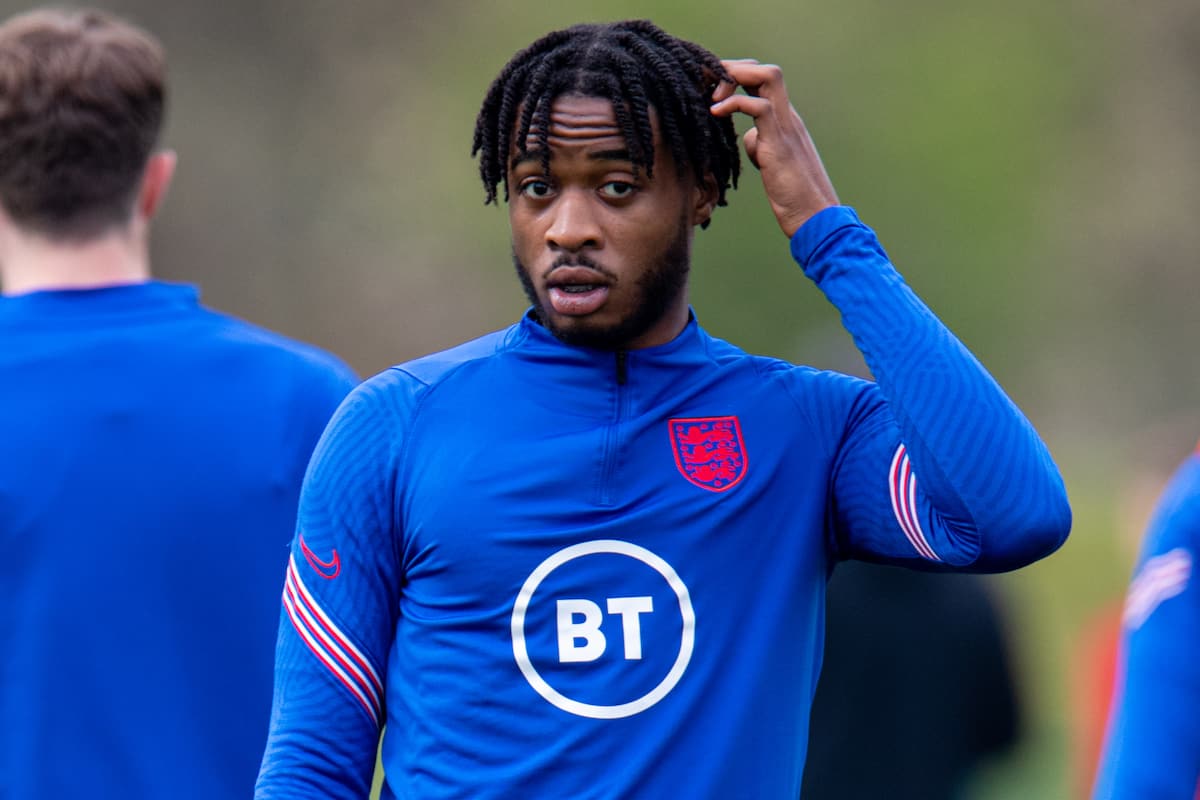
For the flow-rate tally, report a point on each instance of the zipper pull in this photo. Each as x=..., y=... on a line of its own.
x=622, y=370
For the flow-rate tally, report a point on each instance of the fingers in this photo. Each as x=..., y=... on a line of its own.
x=753, y=106
x=724, y=89
x=750, y=142
x=763, y=86
x=755, y=78
x=727, y=87
x=778, y=143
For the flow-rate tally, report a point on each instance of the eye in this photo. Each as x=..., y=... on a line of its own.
x=536, y=189
x=618, y=190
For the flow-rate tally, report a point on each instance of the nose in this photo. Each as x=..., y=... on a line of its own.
x=574, y=225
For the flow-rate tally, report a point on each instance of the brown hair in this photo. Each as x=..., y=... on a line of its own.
x=81, y=105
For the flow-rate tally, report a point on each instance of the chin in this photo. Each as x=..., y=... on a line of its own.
x=585, y=332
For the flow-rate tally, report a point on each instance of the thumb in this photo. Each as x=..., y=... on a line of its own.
x=750, y=142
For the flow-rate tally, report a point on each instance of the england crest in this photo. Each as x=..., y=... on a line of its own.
x=709, y=451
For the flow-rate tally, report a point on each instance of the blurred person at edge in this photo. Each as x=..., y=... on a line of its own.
x=151, y=450
x=1152, y=742
x=586, y=556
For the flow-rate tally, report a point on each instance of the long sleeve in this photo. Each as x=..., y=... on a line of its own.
x=1152, y=750
x=936, y=467
x=339, y=605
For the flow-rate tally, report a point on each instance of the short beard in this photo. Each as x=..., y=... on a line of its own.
x=659, y=288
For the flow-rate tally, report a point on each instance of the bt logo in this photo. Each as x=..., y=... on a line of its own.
x=588, y=630
x=652, y=636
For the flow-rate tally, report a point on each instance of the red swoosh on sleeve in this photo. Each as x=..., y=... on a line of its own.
x=326, y=569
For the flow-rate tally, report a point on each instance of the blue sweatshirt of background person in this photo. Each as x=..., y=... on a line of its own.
x=1152, y=750
x=151, y=454
x=560, y=572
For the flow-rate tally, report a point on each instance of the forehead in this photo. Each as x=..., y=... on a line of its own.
x=582, y=120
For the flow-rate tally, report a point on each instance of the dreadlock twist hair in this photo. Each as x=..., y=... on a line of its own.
x=634, y=64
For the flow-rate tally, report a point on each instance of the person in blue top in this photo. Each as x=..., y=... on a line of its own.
x=586, y=556
x=151, y=450
x=1152, y=747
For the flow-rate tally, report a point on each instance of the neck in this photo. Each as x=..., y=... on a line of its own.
x=665, y=330
x=31, y=263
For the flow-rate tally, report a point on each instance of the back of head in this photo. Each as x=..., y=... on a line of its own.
x=81, y=106
x=636, y=65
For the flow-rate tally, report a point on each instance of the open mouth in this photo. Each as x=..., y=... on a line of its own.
x=577, y=299
x=575, y=291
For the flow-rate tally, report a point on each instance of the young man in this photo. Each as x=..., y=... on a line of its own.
x=586, y=556
x=151, y=450
x=1153, y=740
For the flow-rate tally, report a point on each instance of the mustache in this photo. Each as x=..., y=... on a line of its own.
x=577, y=260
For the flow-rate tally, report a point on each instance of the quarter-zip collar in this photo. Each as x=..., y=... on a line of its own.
x=581, y=380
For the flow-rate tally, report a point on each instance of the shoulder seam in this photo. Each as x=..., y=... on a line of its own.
x=427, y=389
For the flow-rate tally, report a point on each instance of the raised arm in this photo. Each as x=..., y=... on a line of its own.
x=936, y=466
x=339, y=604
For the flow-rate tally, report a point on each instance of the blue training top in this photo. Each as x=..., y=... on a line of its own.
x=151, y=453
x=1152, y=750
x=561, y=572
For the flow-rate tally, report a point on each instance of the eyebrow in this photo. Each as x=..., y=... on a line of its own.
x=619, y=154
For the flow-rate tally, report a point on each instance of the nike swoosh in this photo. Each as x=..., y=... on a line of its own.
x=326, y=569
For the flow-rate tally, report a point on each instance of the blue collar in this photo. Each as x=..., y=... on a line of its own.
x=66, y=306
x=589, y=378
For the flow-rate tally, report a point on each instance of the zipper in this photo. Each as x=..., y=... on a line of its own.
x=612, y=438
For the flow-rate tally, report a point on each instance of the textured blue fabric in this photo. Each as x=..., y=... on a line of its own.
x=1152, y=750
x=560, y=583
x=151, y=453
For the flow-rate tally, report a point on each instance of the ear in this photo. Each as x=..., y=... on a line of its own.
x=704, y=200
x=156, y=179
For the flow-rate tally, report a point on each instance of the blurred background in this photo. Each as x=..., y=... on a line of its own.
x=1031, y=168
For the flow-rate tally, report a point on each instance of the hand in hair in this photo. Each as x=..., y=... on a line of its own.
x=778, y=145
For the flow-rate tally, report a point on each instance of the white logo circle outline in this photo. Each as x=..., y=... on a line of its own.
x=556, y=560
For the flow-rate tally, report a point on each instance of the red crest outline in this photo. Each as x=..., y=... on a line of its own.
x=709, y=451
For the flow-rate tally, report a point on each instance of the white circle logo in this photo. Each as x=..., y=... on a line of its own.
x=616, y=547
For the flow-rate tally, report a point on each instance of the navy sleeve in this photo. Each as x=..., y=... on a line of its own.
x=340, y=603
x=935, y=466
x=1152, y=750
